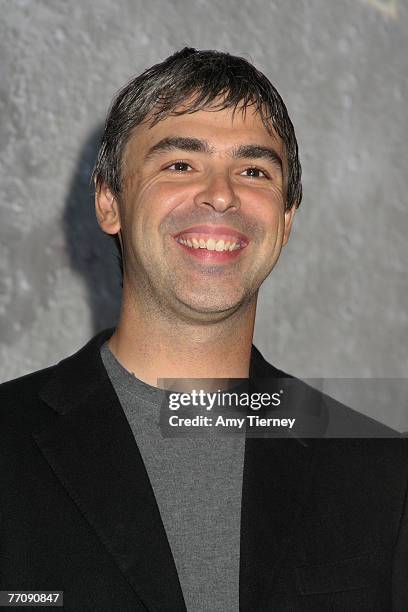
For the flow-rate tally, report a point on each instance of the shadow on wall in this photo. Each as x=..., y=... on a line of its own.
x=92, y=254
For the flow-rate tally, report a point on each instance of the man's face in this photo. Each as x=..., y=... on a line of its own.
x=202, y=210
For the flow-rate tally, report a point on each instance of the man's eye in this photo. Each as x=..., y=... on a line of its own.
x=254, y=173
x=179, y=166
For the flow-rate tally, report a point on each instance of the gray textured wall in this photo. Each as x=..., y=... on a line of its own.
x=335, y=305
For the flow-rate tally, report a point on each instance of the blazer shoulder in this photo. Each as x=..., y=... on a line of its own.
x=26, y=402
x=19, y=398
x=322, y=416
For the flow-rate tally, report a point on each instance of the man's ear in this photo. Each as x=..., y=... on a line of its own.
x=289, y=215
x=107, y=209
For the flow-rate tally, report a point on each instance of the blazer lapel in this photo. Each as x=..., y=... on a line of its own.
x=91, y=449
x=276, y=482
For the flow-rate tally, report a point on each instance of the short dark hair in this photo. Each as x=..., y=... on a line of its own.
x=196, y=80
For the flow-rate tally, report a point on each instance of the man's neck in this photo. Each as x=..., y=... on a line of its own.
x=153, y=349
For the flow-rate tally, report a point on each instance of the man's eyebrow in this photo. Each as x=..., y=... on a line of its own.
x=254, y=151
x=198, y=145
x=172, y=143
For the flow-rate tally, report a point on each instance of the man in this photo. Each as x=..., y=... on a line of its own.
x=198, y=178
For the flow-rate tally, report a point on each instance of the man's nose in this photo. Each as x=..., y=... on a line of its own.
x=217, y=192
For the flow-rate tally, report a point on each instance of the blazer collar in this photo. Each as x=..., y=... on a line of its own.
x=91, y=449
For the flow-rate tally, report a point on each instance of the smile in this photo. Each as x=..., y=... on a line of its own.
x=215, y=245
x=211, y=243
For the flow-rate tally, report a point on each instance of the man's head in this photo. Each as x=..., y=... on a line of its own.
x=201, y=139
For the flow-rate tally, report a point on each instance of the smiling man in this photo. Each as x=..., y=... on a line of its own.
x=198, y=180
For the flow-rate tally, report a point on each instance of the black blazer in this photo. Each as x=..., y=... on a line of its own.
x=324, y=522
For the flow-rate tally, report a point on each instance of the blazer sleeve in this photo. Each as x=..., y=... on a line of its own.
x=400, y=562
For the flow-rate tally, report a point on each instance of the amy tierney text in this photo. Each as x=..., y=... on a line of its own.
x=251, y=420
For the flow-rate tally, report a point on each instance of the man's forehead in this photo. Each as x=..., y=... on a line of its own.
x=220, y=128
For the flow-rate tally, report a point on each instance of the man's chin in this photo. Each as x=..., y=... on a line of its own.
x=201, y=308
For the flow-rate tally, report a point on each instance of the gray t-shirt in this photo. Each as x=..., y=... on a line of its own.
x=198, y=485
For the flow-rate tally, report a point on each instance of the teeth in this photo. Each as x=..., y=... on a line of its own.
x=211, y=244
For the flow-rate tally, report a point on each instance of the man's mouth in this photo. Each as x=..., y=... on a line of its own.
x=211, y=244
x=217, y=243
